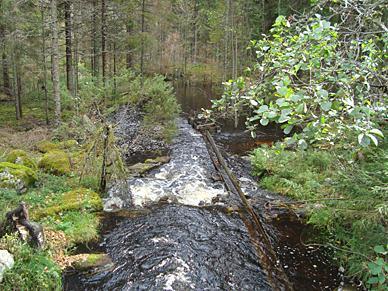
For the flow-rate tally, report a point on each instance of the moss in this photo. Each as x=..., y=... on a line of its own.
x=92, y=261
x=12, y=172
x=55, y=162
x=79, y=199
x=21, y=157
x=46, y=146
x=69, y=144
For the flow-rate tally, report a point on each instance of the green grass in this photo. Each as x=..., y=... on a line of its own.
x=33, y=269
x=346, y=197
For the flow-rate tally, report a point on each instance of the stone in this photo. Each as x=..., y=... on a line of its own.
x=6, y=262
x=16, y=176
x=21, y=157
x=56, y=162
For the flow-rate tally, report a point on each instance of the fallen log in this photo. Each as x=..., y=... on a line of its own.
x=268, y=258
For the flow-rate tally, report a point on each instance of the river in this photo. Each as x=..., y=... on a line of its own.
x=184, y=230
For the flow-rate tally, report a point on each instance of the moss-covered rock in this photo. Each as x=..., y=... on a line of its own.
x=22, y=158
x=16, y=176
x=70, y=144
x=140, y=169
x=75, y=200
x=46, y=146
x=88, y=261
x=56, y=162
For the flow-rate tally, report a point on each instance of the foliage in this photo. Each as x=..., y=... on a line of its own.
x=322, y=81
x=378, y=269
x=56, y=162
x=345, y=194
x=33, y=269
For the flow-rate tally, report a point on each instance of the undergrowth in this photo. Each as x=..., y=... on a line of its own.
x=345, y=196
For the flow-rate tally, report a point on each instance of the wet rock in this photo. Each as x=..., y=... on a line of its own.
x=6, y=262
x=89, y=261
x=139, y=169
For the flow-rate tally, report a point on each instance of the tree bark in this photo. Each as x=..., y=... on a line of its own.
x=69, y=46
x=142, y=37
x=44, y=86
x=103, y=41
x=4, y=60
x=129, y=58
x=94, y=55
x=55, y=62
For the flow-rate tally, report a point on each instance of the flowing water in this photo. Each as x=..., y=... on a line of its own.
x=183, y=230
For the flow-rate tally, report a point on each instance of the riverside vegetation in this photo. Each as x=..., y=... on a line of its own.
x=322, y=78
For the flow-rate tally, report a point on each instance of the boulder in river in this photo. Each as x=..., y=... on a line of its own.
x=6, y=262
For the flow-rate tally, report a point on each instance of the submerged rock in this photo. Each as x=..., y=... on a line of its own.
x=6, y=262
x=88, y=261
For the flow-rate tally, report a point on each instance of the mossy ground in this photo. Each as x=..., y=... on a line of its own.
x=345, y=194
x=65, y=207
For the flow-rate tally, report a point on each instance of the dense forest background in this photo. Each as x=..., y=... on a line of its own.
x=48, y=46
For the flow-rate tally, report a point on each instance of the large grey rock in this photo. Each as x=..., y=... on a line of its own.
x=6, y=262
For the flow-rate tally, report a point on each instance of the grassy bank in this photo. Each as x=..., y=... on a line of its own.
x=345, y=195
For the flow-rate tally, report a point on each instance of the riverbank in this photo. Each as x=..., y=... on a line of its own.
x=344, y=196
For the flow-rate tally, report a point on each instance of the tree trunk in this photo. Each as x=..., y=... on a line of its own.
x=44, y=86
x=69, y=48
x=94, y=57
x=4, y=60
x=142, y=37
x=55, y=62
x=103, y=41
x=129, y=48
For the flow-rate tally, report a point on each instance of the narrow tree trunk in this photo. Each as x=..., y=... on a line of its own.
x=55, y=62
x=195, y=31
x=44, y=87
x=94, y=57
x=142, y=37
x=129, y=48
x=103, y=41
x=69, y=48
x=114, y=68
x=4, y=60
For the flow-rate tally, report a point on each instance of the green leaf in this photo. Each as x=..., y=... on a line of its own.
x=377, y=132
x=322, y=93
x=254, y=118
x=373, y=139
x=373, y=280
x=263, y=108
x=363, y=140
x=282, y=91
x=264, y=122
x=283, y=118
x=326, y=106
x=272, y=114
x=374, y=269
x=380, y=262
x=254, y=102
x=302, y=144
x=300, y=108
x=380, y=250
x=288, y=129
